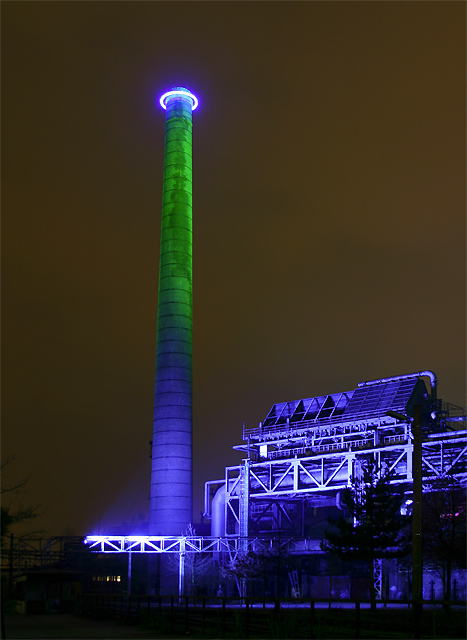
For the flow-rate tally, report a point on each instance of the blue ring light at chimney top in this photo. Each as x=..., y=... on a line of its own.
x=179, y=92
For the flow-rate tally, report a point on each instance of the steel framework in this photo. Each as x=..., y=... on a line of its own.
x=307, y=451
x=191, y=544
x=304, y=454
x=329, y=472
x=24, y=553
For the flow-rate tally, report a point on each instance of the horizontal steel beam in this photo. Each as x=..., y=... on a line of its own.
x=193, y=544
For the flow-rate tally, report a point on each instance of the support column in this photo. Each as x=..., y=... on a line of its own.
x=244, y=503
x=181, y=570
x=129, y=573
x=417, y=571
x=378, y=577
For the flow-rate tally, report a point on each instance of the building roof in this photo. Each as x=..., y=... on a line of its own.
x=369, y=400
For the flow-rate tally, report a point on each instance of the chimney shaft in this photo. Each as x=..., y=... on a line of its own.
x=171, y=475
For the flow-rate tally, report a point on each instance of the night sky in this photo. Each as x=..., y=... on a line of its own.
x=329, y=223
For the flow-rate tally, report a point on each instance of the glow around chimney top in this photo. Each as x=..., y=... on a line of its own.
x=179, y=91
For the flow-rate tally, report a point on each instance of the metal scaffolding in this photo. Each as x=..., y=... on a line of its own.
x=302, y=457
x=307, y=451
x=327, y=473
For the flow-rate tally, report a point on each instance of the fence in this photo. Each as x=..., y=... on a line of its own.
x=223, y=617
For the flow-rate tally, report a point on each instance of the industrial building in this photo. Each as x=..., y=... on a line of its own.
x=297, y=463
x=305, y=452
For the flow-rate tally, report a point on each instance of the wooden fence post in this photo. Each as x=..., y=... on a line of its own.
x=204, y=613
x=312, y=618
x=223, y=617
x=357, y=620
x=247, y=618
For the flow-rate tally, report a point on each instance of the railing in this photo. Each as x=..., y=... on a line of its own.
x=394, y=439
x=334, y=446
x=342, y=423
x=21, y=554
x=339, y=423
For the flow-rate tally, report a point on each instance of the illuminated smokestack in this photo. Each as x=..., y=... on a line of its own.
x=171, y=477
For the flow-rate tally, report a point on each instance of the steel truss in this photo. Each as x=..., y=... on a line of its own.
x=378, y=577
x=181, y=545
x=331, y=471
x=187, y=544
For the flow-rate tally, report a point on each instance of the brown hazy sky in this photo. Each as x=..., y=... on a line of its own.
x=329, y=222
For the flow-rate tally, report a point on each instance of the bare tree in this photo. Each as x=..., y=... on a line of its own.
x=199, y=568
x=13, y=509
x=243, y=568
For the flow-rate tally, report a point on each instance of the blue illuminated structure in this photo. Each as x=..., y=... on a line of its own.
x=307, y=451
x=300, y=459
x=171, y=473
x=178, y=93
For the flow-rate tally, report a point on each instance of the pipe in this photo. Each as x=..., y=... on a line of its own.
x=207, y=496
x=339, y=504
x=218, y=513
x=407, y=376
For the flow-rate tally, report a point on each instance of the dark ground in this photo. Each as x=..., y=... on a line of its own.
x=62, y=626
x=391, y=624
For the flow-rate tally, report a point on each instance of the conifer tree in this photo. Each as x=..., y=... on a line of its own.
x=444, y=528
x=372, y=526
